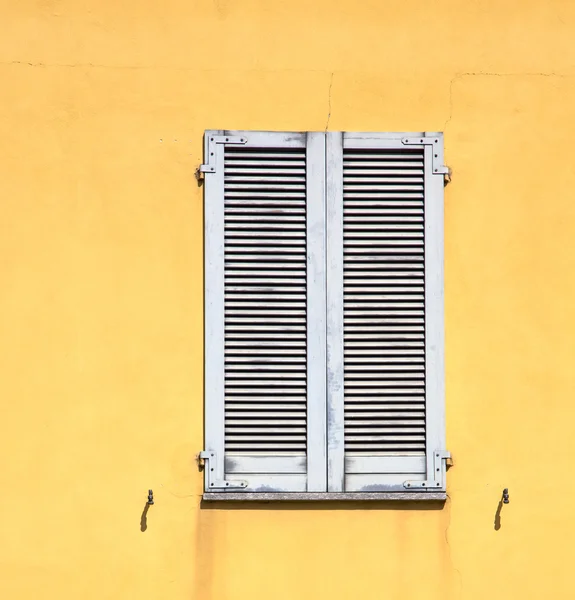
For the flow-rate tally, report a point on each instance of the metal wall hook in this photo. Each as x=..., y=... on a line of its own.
x=505, y=496
x=150, y=497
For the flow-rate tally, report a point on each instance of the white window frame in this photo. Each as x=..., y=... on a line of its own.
x=326, y=464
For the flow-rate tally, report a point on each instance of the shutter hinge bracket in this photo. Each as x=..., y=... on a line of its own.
x=211, y=141
x=437, y=158
x=212, y=482
x=440, y=459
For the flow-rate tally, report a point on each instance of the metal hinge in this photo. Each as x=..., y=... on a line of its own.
x=210, y=165
x=212, y=482
x=440, y=458
x=437, y=158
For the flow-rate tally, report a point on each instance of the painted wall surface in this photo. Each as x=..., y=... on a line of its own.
x=102, y=110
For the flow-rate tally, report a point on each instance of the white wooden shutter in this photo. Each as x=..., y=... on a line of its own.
x=265, y=347
x=385, y=312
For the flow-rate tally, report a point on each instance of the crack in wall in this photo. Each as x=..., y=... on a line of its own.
x=71, y=66
x=491, y=74
x=329, y=102
x=197, y=69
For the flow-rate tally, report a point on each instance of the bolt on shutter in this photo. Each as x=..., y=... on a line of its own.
x=265, y=312
x=385, y=312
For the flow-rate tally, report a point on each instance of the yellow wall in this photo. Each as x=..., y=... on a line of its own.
x=102, y=109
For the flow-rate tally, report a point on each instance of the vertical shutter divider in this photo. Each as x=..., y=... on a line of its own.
x=214, y=308
x=434, y=313
x=334, y=276
x=316, y=314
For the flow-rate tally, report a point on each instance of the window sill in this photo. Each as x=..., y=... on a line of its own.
x=323, y=496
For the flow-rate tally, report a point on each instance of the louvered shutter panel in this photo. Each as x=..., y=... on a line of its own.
x=264, y=312
x=385, y=319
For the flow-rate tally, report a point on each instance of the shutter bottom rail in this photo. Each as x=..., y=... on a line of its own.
x=438, y=497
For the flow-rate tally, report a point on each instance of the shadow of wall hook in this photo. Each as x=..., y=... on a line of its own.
x=150, y=497
x=505, y=496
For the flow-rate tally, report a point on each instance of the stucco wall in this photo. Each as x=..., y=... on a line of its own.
x=102, y=109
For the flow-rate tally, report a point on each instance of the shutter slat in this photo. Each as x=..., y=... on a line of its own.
x=385, y=403
x=236, y=168
x=238, y=331
x=384, y=176
x=375, y=243
x=390, y=388
x=377, y=416
x=384, y=325
x=354, y=165
x=289, y=363
x=268, y=204
x=244, y=388
x=272, y=279
x=268, y=186
x=270, y=295
x=371, y=300
x=291, y=401
x=285, y=427
x=272, y=178
x=374, y=322
x=266, y=239
x=277, y=163
x=257, y=235
x=292, y=218
x=398, y=361
x=395, y=336
x=265, y=254
x=245, y=269
x=274, y=301
x=252, y=412
x=265, y=331
x=264, y=156
x=257, y=320
x=265, y=300
x=384, y=198
x=289, y=445
x=264, y=193
x=377, y=224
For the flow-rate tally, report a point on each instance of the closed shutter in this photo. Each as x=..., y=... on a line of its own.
x=324, y=366
x=385, y=336
x=265, y=312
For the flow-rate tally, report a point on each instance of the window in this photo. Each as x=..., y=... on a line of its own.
x=324, y=366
